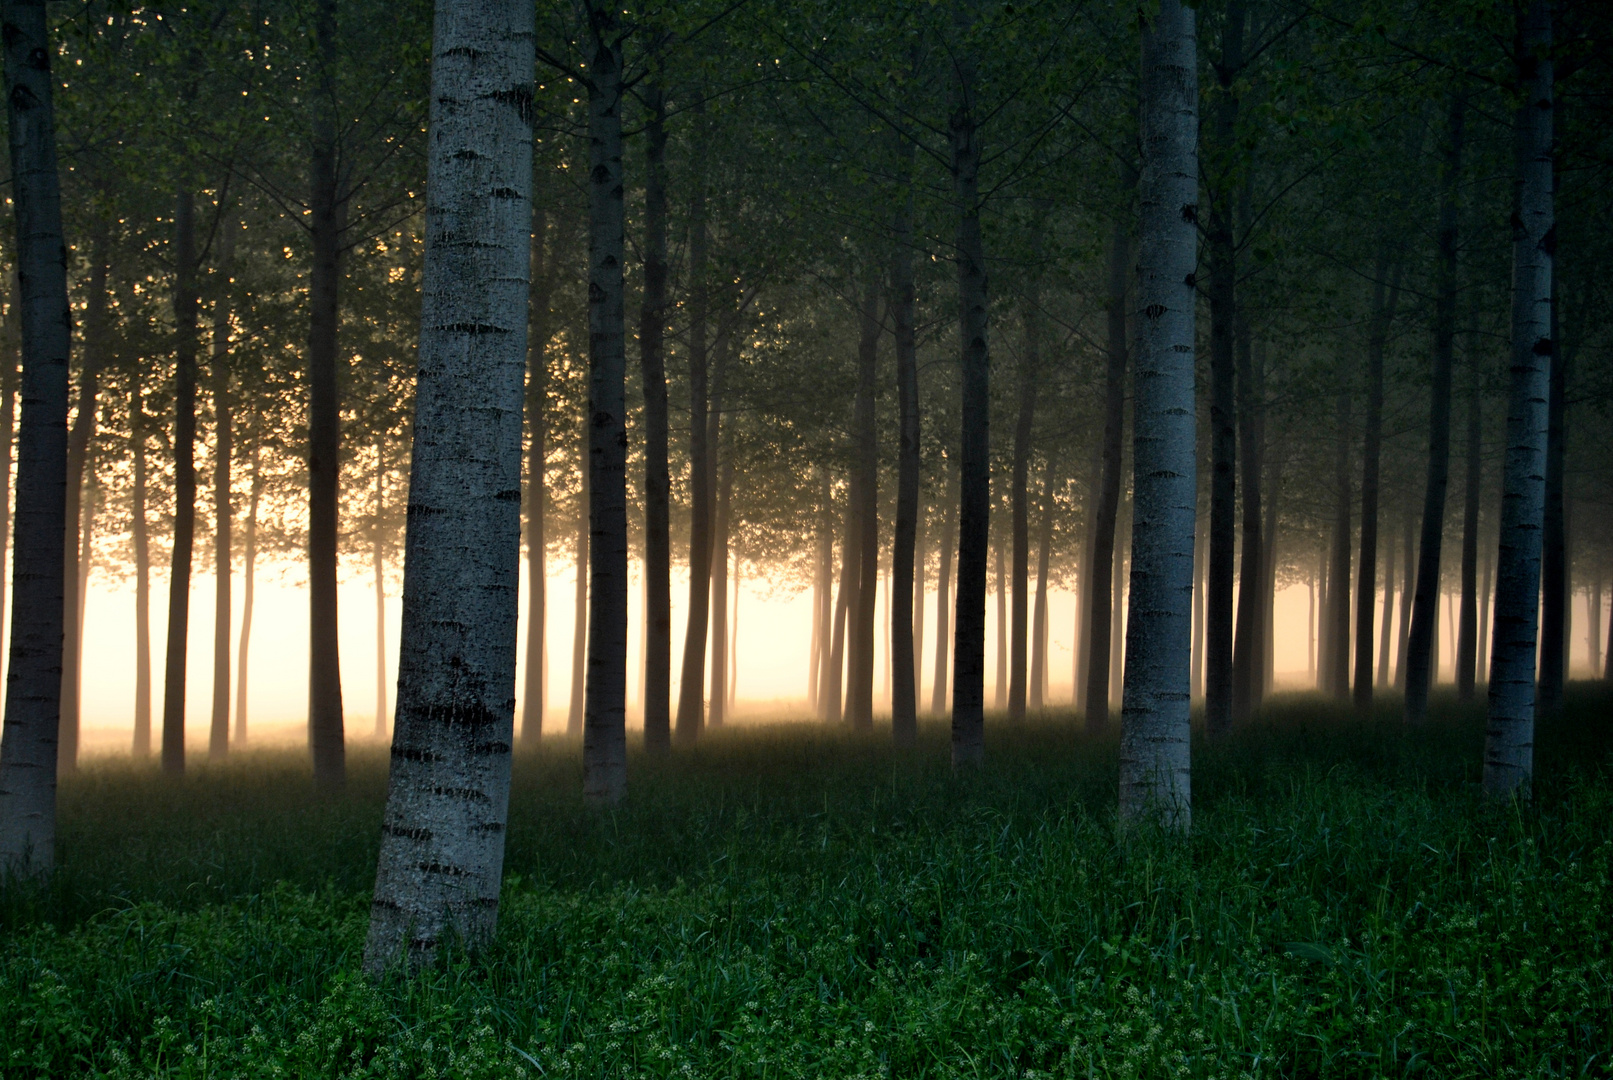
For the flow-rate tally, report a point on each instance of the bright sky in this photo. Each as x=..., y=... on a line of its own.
x=774, y=634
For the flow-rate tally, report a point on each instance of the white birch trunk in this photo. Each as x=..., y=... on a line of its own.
x=442, y=837
x=34, y=681
x=1510, y=734
x=1155, y=767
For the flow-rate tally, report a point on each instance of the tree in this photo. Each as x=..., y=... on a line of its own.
x=605, y=710
x=1155, y=768
x=442, y=843
x=28, y=746
x=1425, y=602
x=1509, y=733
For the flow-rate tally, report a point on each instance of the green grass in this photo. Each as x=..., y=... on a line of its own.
x=791, y=901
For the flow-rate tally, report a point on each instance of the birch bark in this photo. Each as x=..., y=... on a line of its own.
x=34, y=682
x=442, y=837
x=1155, y=767
x=1509, y=734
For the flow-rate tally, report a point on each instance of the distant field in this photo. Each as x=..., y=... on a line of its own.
x=797, y=901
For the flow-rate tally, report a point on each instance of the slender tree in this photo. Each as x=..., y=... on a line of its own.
x=657, y=476
x=537, y=392
x=184, y=530
x=1385, y=301
x=1101, y=562
x=1467, y=633
x=605, y=719
x=943, y=599
x=865, y=494
x=218, y=742
x=691, y=691
x=34, y=681
x=1509, y=734
x=78, y=454
x=249, y=567
x=1024, y=425
x=327, y=214
x=1420, y=667
x=142, y=580
x=1155, y=767
x=906, y=603
x=442, y=837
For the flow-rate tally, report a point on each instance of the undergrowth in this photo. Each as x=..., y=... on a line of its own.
x=795, y=901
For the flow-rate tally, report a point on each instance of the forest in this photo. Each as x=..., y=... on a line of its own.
x=941, y=538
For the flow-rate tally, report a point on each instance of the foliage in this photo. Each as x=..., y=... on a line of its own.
x=796, y=901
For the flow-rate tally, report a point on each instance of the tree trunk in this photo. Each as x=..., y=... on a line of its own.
x=718, y=709
x=921, y=551
x=974, y=510
x=442, y=836
x=142, y=577
x=1248, y=663
x=604, y=749
x=93, y=350
x=1388, y=611
x=865, y=490
x=1000, y=687
x=1467, y=634
x=1219, y=692
x=1117, y=610
x=1554, y=560
x=657, y=475
x=1385, y=301
x=1201, y=562
x=833, y=695
x=86, y=560
x=326, y=737
x=34, y=680
x=218, y=743
x=1044, y=544
x=1019, y=632
x=8, y=425
x=1338, y=577
x=378, y=553
x=1268, y=566
x=733, y=645
x=535, y=697
x=822, y=597
x=1408, y=580
x=249, y=573
x=579, y=612
x=907, y=562
x=1155, y=767
x=1425, y=612
x=691, y=693
x=1593, y=624
x=184, y=531
x=943, y=596
x=1509, y=735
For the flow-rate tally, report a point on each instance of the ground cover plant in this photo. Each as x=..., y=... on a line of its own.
x=802, y=901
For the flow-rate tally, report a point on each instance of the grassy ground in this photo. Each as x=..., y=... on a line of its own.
x=791, y=901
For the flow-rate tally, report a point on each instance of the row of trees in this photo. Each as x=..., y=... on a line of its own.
x=1032, y=192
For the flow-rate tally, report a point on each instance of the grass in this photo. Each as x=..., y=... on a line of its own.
x=793, y=901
